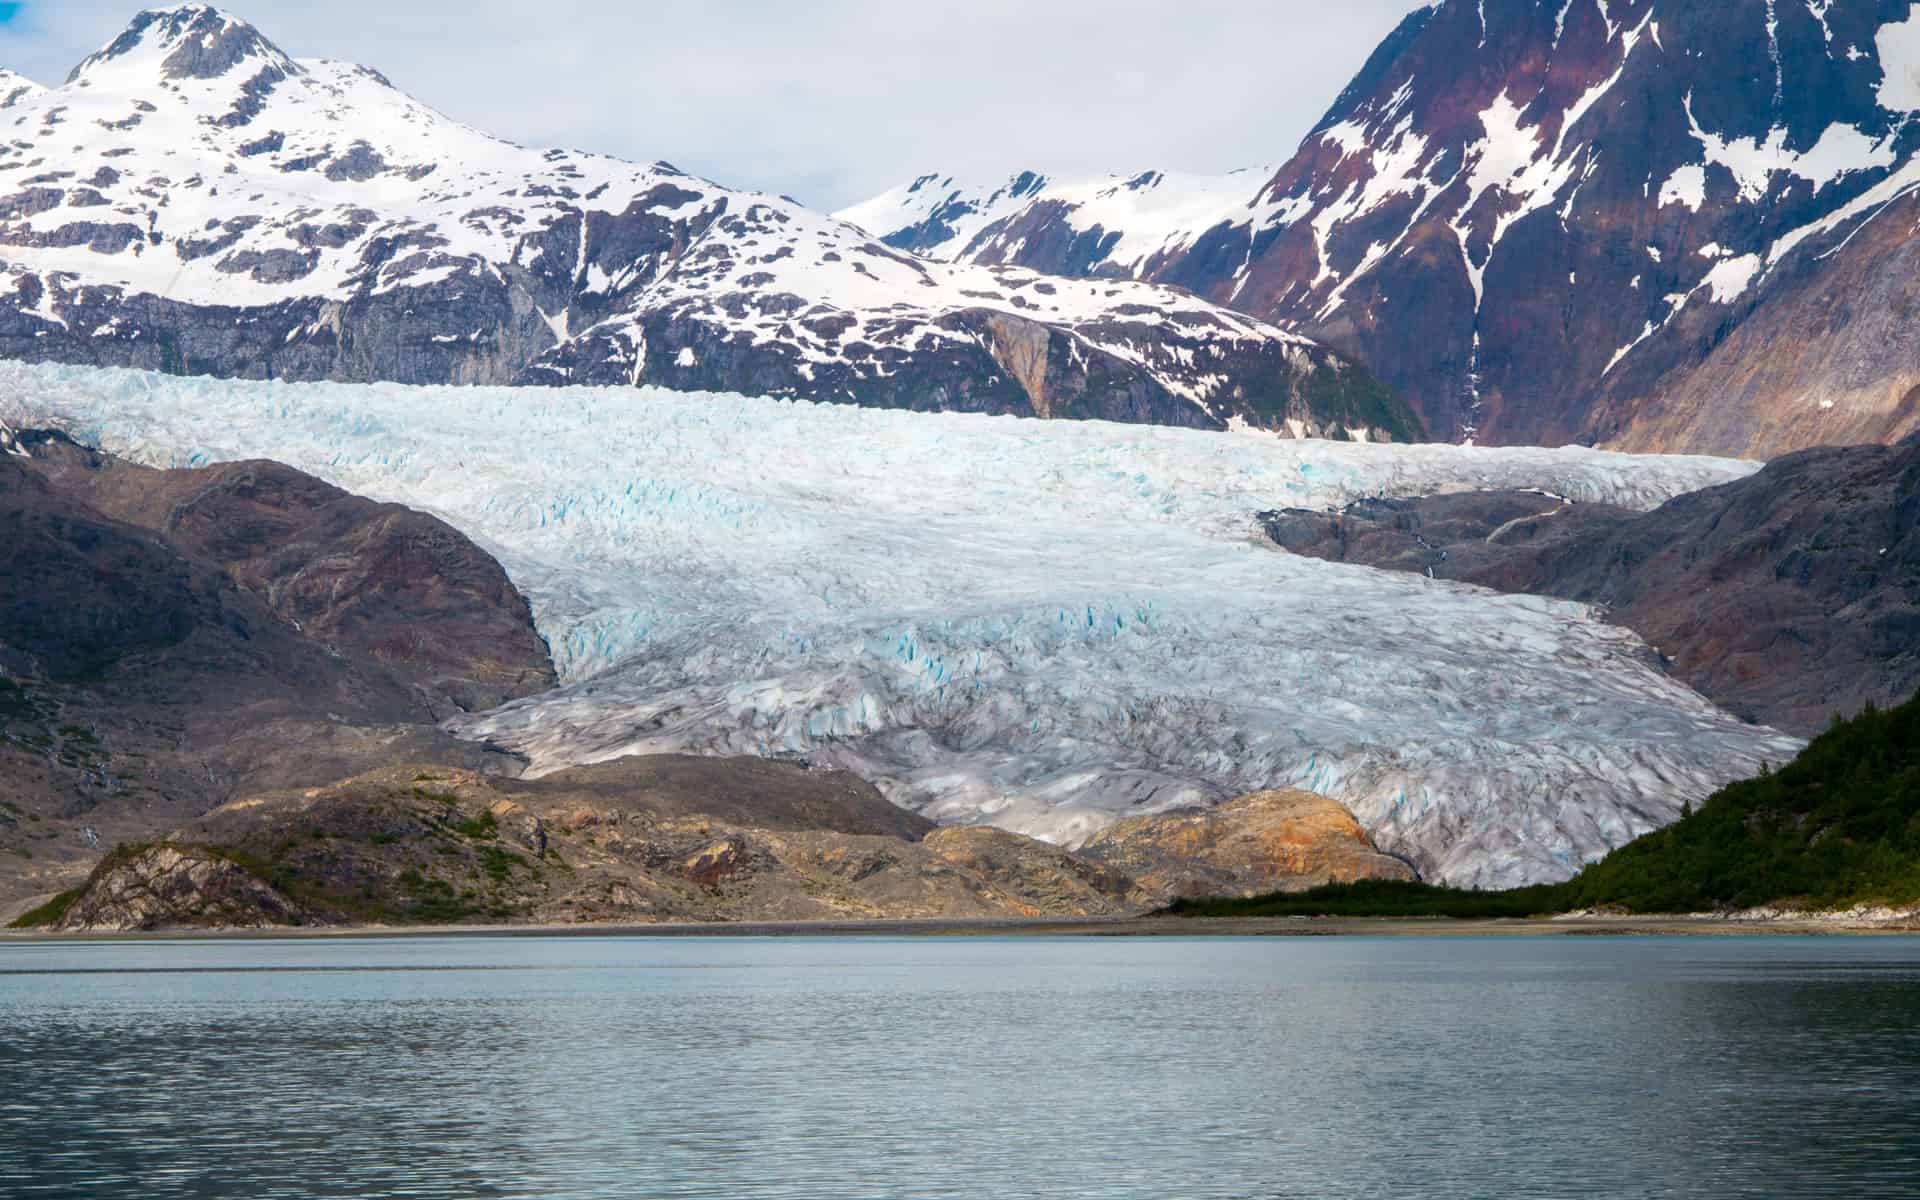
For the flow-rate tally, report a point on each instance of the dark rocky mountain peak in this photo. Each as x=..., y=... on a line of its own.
x=186, y=41
x=1654, y=224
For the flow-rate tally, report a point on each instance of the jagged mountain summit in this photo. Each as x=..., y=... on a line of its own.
x=1114, y=228
x=1647, y=223
x=192, y=199
x=939, y=215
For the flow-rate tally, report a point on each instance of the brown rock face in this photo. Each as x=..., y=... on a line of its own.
x=421, y=844
x=173, y=886
x=396, y=587
x=1264, y=842
x=1827, y=356
x=172, y=640
x=1784, y=597
x=1032, y=878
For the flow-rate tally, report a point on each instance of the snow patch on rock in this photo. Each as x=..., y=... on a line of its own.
x=1897, y=44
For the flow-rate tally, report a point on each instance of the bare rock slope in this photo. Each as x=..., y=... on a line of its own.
x=169, y=640
x=1785, y=597
x=670, y=838
x=1264, y=842
x=620, y=842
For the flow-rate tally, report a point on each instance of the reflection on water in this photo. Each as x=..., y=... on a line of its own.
x=962, y=1067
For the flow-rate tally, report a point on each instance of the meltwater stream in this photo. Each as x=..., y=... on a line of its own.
x=961, y=1067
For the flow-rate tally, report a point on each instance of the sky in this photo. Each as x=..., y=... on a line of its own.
x=828, y=101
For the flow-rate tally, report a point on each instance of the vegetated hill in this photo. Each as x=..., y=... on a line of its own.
x=1658, y=224
x=195, y=633
x=1785, y=597
x=194, y=200
x=1838, y=826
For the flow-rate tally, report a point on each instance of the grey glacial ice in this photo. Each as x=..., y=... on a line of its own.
x=1039, y=625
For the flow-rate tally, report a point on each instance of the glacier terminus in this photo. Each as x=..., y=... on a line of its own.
x=1039, y=625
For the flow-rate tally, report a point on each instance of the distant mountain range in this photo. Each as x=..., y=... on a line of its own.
x=1646, y=223
x=192, y=199
x=1641, y=223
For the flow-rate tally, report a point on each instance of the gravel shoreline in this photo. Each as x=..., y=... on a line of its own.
x=1895, y=922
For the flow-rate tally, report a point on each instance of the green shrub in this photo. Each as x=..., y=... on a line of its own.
x=1838, y=826
x=48, y=913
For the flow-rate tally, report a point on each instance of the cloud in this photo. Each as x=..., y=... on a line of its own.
x=831, y=100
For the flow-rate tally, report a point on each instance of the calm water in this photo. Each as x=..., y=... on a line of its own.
x=1260, y=1068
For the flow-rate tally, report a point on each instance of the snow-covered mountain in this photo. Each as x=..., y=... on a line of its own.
x=938, y=215
x=194, y=200
x=1038, y=625
x=1654, y=223
x=1116, y=227
x=14, y=87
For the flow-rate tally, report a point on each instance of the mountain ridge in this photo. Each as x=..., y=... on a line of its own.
x=195, y=200
x=169, y=638
x=1549, y=221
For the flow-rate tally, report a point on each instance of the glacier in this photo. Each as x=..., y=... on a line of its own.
x=1039, y=625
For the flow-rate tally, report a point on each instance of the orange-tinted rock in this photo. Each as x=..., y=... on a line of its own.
x=1264, y=842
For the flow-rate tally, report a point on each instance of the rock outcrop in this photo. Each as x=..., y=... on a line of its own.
x=170, y=640
x=1274, y=841
x=421, y=844
x=170, y=886
x=1785, y=597
x=389, y=585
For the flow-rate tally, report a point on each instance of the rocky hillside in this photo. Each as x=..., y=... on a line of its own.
x=194, y=200
x=168, y=639
x=414, y=844
x=383, y=583
x=674, y=839
x=1785, y=597
x=1650, y=223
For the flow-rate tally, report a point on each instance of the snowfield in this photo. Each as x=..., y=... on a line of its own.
x=1040, y=625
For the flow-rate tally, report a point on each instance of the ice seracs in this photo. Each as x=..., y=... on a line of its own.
x=1040, y=625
